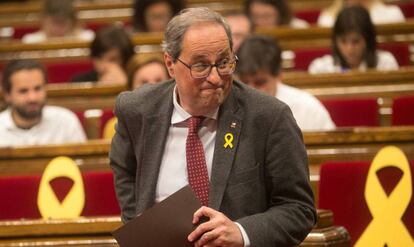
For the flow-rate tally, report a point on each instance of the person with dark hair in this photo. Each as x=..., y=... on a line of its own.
x=27, y=120
x=146, y=68
x=259, y=66
x=58, y=21
x=240, y=25
x=272, y=13
x=239, y=150
x=110, y=52
x=153, y=15
x=354, y=45
x=380, y=12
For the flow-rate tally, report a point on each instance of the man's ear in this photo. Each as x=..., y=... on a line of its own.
x=169, y=63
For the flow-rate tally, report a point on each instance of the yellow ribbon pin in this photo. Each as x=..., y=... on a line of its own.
x=228, y=138
x=386, y=226
x=48, y=204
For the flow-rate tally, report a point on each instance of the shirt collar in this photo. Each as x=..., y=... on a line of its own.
x=180, y=115
x=11, y=125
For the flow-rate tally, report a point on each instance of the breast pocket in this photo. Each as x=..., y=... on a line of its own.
x=246, y=175
x=245, y=181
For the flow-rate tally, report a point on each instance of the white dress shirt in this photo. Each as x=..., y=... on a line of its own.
x=40, y=36
x=326, y=64
x=308, y=112
x=173, y=171
x=57, y=125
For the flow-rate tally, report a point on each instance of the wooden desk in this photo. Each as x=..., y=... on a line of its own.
x=384, y=86
x=90, y=156
x=97, y=232
x=344, y=144
x=289, y=39
x=29, y=13
x=80, y=96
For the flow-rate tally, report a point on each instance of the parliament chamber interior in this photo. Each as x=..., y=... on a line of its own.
x=371, y=146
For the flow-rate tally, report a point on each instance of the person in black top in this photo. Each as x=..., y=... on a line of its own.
x=110, y=52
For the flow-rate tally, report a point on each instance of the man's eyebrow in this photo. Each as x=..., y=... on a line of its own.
x=198, y=57
x=221, y=53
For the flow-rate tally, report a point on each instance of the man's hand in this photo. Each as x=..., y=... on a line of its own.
x=218, y=231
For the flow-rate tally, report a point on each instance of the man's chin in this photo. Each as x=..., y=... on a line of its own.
x=29, y=115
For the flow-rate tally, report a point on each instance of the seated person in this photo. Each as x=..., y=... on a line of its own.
x=110, y=52
x=27, y=120
x=354, y=45
x=259, y=66
x=380, y=12
x=153, y=15
x=271, y=13
x=240, y=25
x=58, y=21
x=146, y=68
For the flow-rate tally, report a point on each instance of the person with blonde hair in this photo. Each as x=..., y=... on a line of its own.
x=146, y=68
x=380, y=12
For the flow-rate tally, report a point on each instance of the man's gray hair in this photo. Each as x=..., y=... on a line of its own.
x=178, y=25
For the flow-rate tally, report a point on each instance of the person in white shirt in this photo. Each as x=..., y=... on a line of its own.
x=27, y=121
x=354, y=46
x=272, y=13
x=380, y=12
x=59, y=21
x=259, y=66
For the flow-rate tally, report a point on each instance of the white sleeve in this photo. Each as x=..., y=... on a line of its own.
x=323, y=64
x=325, y=20
x=74, y=131
x=246, y=239
x=386, y=61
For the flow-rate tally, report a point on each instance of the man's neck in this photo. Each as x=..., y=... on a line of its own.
x=24, y=123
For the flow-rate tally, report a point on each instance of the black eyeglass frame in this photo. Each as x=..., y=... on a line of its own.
x=189, y=66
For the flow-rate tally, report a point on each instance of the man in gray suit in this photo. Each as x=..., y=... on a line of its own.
x=252, y=149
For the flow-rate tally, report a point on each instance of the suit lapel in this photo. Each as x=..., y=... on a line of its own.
x=229, y=124
x=156, y=128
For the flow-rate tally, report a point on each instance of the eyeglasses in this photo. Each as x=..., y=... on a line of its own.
x=203, y=70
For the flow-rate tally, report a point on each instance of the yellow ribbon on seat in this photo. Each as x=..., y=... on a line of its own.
x=386, y=226
x=47, y=202
x=109, y=129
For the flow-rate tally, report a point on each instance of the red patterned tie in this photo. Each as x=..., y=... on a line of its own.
x=196, y=161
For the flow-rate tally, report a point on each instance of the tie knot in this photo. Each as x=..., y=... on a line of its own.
x=194, y=124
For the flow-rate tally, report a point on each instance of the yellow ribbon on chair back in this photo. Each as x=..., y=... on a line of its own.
x=387, y=226
x=72, y=205
x=109, y=129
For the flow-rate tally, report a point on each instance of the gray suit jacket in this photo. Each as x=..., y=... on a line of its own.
x=262, y=182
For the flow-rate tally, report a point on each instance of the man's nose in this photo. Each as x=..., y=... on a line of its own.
x=214, y=76
x=33, y=96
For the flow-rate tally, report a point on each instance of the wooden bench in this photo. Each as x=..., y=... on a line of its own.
x=384, y=86
x=97, y=232
x=27, y=15
x=343, y=144
x=290, y=39
x=90, y=156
